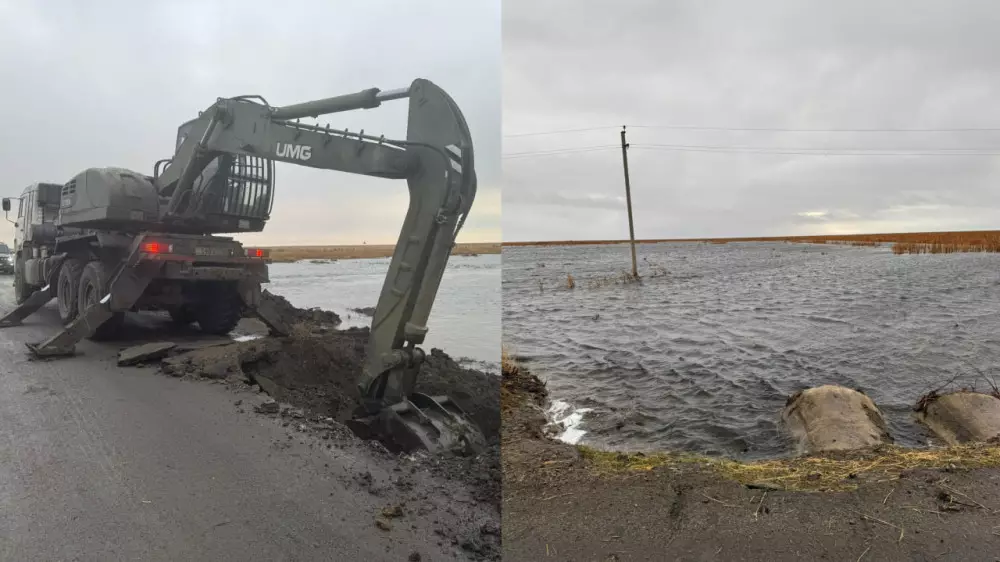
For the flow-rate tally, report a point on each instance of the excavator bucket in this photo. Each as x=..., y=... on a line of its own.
x=420, y=422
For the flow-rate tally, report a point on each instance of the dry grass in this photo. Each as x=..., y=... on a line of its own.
x=508, y=361
x=809, y=473
x=903, y=242
x=296, y=253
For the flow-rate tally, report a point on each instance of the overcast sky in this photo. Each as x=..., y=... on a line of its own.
x=107, y=83
x=795, y=64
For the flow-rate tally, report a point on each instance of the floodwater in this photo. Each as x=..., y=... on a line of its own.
x=703, y=356
x=465, y=319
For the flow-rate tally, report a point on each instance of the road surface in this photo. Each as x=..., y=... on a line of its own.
x=105, y=463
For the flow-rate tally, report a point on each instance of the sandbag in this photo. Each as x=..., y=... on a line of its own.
x=961, y=417
x=834, y=418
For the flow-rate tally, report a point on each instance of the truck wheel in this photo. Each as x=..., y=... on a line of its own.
x=93, y=287
x=182, y=315
x=220, y=311
x=66, y=289
x=21, y=289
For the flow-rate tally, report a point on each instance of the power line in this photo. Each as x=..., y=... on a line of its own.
x=794, y=151
x=762, y=129
x=785, y=130
x=820, y=151
x=553, y=152
x=557, y=132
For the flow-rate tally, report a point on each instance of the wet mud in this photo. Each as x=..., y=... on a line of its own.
x=294, y=315
x=308, y=380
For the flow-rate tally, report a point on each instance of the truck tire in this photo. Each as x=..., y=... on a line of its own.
x=21, y=289
x=67, y=288
x=220, y=311
x=93, y=286
x=182, y=315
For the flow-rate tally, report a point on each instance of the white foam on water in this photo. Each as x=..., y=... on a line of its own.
x=247, y=337
x=563, y=415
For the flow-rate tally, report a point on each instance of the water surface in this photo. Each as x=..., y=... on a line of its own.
x=704, y=356
x=465, y=319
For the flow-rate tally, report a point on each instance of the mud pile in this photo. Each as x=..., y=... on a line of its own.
x=834, y=418
x=319, y=373
x=317, y=370
x=292, y=315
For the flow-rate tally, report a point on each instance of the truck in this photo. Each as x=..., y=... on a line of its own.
x=6, y=260
x=112, y=240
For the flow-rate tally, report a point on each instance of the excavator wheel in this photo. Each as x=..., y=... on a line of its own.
x=93, y=286
x=220, y=311
x=67, y=289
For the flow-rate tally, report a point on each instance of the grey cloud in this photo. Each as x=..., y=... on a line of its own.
x=106, y=84
x=792, y=64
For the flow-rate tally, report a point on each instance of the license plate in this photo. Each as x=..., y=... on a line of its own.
x=209, y=251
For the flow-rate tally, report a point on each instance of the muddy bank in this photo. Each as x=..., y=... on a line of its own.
x=293, y=315
x=316, y=370
x=962, y=416
x=574, y=503
x=834, y=418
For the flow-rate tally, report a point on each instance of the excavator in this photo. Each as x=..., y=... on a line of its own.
x=112, y=240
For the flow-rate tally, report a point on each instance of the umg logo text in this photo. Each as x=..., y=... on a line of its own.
x=297, y=151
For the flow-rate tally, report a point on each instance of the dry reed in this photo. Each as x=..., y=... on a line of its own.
x=903, y=243
x=833, y=472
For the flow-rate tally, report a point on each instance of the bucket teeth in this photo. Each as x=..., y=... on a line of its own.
x=432, y=423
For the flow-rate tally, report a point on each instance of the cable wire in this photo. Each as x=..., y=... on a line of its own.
x=761, y=129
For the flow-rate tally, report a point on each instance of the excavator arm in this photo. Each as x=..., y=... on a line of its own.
x=437, y=162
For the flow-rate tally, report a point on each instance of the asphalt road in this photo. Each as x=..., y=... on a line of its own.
x=105, y=463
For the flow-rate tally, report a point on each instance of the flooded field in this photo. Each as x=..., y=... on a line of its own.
x=703, y=356
x=464, y=321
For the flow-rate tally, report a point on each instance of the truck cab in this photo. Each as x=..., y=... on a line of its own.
x=34, y=235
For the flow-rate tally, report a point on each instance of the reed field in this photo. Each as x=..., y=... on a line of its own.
x=902, y=242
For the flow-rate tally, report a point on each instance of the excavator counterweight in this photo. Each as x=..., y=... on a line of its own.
x=112, y=240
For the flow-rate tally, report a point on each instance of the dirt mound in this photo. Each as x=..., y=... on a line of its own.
x=834, y=418
x=293, y=315
x=316, y=369
x=319, y=373
x=961, y=416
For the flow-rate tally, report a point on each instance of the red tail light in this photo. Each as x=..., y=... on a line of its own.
x=255, y=253
x=157, y=248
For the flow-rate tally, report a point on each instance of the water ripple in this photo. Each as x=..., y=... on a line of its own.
x=703, y=358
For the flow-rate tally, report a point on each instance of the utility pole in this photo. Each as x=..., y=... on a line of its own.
x=628, y=202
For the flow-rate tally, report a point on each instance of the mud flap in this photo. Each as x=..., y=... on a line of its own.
x=36, y=301
x=432, y=423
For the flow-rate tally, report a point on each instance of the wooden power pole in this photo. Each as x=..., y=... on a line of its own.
x=628, y=202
